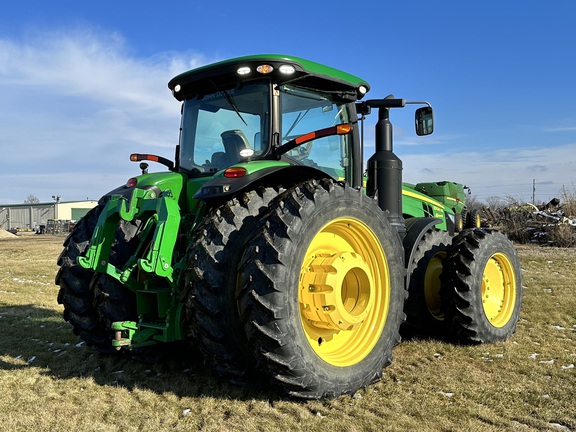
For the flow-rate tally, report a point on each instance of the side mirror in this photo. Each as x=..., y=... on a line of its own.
x=424, y=121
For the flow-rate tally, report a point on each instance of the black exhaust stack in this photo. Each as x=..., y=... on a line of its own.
x=384, y=167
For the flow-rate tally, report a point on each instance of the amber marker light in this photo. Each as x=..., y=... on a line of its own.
x=265, y=68
x=343, y=129
x=306, y=137
x=135, y=157
x=235, y=172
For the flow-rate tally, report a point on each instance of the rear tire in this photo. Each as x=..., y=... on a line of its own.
x=482, y=287
x=323, y=291
x=211, y=281
x=423, y=307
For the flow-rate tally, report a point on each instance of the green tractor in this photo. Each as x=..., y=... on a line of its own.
x=452, y=195
x=267, y=245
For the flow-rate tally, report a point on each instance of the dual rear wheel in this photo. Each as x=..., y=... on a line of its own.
x=468, y=288
x=315, y=292
x=306, y=287
x=482, y=287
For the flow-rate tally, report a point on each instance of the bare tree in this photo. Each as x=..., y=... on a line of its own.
x=472, y=203
x=495, y=202
x=569, y=200
x=32, y=199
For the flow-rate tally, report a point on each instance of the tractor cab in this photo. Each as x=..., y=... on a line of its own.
x=231, y=126
x=255, y=108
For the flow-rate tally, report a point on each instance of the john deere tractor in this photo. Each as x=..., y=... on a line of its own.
x=269, y=246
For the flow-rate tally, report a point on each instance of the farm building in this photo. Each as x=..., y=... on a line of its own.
x=31, y=216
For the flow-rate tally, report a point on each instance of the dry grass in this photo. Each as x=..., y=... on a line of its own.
x=51, y=382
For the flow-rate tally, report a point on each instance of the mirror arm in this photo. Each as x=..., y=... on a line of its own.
x=419, y=103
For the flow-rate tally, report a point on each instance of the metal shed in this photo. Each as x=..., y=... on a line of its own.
x=29, y=216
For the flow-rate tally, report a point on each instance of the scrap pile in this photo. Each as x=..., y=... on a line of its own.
x=552, y=223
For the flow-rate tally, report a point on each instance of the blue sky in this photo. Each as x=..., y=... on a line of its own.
x=84, y=84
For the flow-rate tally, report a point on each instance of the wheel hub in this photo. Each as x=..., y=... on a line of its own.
x=498, y=290
x=336, y=291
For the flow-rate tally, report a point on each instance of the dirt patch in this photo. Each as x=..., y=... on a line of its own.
x=6, y=235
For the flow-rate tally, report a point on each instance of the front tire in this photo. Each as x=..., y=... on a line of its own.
x=323, y=291
x=92, y=301
x=483, y=287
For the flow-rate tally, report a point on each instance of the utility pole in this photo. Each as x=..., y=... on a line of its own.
x=534, y=191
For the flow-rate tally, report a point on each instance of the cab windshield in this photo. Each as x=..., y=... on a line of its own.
x=305, y=111
x=218, y=125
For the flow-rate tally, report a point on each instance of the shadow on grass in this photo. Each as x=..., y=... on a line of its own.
x=409, y=334
x=35, y=337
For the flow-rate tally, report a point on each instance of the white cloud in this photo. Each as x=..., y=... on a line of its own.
x=561, y=129
x=508, y=171
x=77, y=104
x=501, y=173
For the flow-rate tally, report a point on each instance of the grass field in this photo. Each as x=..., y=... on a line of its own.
x=49, y=380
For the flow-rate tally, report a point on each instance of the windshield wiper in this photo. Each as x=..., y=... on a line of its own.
x=298, y=119
x=230, y=101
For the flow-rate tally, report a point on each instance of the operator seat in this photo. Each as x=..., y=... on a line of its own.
x=234, y=141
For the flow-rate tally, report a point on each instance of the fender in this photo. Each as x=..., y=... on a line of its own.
x=286, y=175
x=415, y=230
x=156, y=183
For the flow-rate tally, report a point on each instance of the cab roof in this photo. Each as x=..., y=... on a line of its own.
x=280, y=69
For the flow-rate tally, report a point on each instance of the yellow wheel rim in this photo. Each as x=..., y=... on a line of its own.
x=498, y=290
x=432, y=285
x=344, y=292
